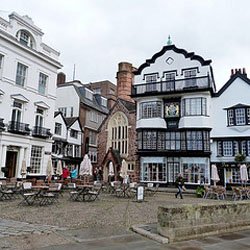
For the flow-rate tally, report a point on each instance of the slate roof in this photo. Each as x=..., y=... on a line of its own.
x=80, y=90
x=130, y=106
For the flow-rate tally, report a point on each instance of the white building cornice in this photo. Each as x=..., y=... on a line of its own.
x=19, y=97
x=14, y=41
x=26, y=21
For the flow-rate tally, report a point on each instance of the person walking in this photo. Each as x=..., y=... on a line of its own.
x=179, y=182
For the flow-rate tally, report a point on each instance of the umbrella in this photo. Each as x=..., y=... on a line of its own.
x=86, y=166
x=59, y=169
x=243, y=173
x=23, y=168
x=111, y=169
x=50, y=170
x=124, y=171
x=214, y=174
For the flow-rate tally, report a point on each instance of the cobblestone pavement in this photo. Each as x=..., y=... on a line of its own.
x=17, y=228
x=103, y=224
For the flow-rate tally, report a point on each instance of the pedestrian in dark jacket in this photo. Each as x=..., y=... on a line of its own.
x=179, y=182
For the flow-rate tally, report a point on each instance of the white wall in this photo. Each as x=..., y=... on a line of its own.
x=66, y=96
x=238, y=92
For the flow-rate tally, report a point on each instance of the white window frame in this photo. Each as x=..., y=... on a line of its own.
x=42, y=84
x=150, y=109
x=88, y=94
x=58, y=128
x=17, y=111
x=240, y=116
x=195, y=106
x=1, y=65
x=21, y=74
x=92, y=138
x=189, y=75
x=63, y=110
x=73, y=133
x=36, y=159
x=39, y=117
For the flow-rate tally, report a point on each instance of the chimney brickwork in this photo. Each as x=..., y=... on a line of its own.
x=125, y=78
x=61, y=78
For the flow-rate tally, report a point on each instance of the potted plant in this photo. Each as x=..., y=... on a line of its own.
x=199, y=191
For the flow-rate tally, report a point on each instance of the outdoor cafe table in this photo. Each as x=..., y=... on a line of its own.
x=82, y=191
x=123, y=191
x=38, y=195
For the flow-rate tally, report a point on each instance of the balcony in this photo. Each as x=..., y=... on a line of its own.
x=41, y=132
x=164, y=87
x=18, y=128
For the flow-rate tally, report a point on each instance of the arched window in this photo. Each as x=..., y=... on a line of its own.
x=25, y=38
x=118, y=133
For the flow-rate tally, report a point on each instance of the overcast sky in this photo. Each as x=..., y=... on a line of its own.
x=96, y=35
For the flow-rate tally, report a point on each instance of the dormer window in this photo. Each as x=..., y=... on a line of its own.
x=238, y=115
x=104, y=102
x=25, y=38
x=88, y=94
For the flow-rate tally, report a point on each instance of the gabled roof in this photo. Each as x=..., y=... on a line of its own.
x=91, y=103
x=190, y=55
x=112, y=154
x=130, y=106
x=56, y=113
x=239, y=105
x=71, y=120
x=231, y=80
x=80, y=90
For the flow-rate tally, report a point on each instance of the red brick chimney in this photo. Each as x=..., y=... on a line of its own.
x=125, y=79
x=61, y=78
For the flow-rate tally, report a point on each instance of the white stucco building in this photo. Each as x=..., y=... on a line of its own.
x=67, y=141
x=28, y=71
x=230, y=135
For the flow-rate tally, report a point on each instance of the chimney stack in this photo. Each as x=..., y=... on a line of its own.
x=125, y=78
x=240, y=71
x=61, y=78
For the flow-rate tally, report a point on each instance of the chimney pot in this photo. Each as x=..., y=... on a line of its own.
x=61, y=78
x=232, y=72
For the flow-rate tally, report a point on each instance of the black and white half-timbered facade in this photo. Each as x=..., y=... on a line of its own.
x=173, y=92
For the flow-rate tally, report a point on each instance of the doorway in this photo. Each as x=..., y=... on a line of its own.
x=11, y=160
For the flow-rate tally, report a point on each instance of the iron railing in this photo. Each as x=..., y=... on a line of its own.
x=172, y=86
x=41, y=132
x=18, y=127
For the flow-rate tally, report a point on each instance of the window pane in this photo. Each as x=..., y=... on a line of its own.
x=21, y=74
x=42, y=83
x=240, y=116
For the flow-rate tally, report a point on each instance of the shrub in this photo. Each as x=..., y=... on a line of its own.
x=200, y=191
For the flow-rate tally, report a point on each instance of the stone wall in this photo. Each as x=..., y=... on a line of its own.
x=187, y=221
